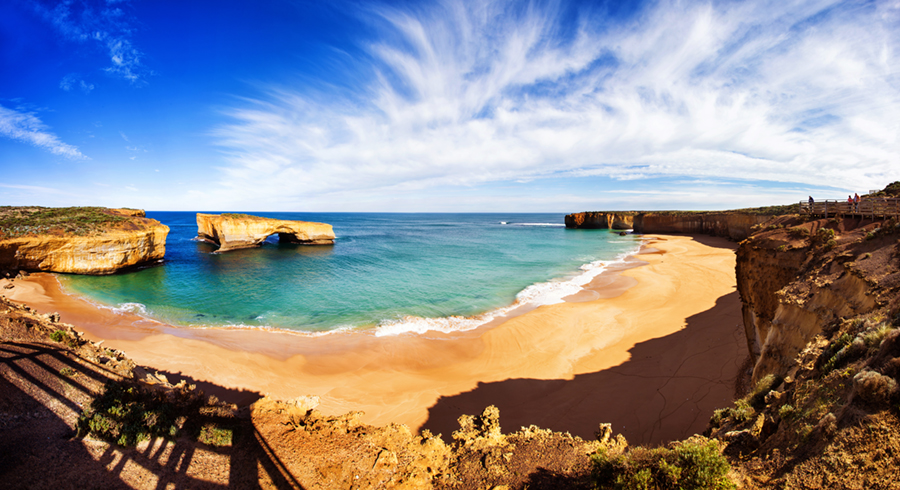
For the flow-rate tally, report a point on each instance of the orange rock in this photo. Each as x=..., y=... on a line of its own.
x=235, y=231
x=139, y=241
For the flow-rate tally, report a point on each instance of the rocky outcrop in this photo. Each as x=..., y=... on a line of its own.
x=600, y=220
x=124, y=244
x=795, y=278
x=236, y=231
x=736, y=226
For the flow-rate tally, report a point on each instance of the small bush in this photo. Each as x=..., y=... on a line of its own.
x=757, y=397
x=781, y=248
x=59, y=336
x=874, y=387
x=870, y=236
x=788, y=412
x=831, y=244
x=692, y=464
x=215, y=436
x=127, y=414
x=68, y=372
x=825, y=234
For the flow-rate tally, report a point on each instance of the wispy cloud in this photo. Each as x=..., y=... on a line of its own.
x=104, y=24
x=28, y=128
x=465, y=93
x=72, y=82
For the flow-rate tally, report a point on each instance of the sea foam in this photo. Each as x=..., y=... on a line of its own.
x=540, y=294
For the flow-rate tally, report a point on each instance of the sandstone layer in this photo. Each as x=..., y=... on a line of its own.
x=736, y=226
x=600, y=220
x=796, y=278
x=126, y=244
x=236, y=231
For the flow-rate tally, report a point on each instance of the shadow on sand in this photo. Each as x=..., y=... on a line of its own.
x=667, y=390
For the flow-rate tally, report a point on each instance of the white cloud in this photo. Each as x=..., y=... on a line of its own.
x=475, y=92
x=73, y=81
x=101, y=23
x=28, y=128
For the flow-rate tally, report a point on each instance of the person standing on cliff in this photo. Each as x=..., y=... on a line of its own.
x=856, y=201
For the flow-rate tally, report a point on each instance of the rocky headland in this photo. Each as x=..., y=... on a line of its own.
x=736, y=225
x=601, y=220
x=236, y=231
x=93, y=241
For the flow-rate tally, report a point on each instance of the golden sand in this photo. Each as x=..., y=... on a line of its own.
x=652, y=349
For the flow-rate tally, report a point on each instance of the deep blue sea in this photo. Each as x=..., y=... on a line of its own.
x=392, y=272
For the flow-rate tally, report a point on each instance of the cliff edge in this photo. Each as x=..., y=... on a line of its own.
x=236, y=231
x=80, y=240
x=736, y=225
x=601, y=220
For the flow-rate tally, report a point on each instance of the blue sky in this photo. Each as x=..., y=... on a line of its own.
x=462, y=106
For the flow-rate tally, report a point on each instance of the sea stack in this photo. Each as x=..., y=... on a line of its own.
x=89, y=240
x=235, y=231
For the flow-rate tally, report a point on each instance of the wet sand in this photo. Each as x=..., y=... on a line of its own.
x=652, y=347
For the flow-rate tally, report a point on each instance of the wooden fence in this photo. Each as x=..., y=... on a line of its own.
x=867, y=208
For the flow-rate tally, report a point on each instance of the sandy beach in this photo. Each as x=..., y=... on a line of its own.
x=652, y=347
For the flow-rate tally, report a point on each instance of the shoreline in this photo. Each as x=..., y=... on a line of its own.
x=428, y=380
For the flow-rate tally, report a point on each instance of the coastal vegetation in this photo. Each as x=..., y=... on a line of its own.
x=16, y=221
x=126, y=413
x=694, y=464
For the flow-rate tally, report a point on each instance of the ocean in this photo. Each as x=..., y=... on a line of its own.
x=390, y=272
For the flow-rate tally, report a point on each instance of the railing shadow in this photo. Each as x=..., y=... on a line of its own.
x=43, y=389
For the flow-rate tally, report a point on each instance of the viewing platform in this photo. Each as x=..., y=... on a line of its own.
x=867, y=208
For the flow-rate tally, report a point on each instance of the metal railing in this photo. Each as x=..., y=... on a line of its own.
x=875, y=207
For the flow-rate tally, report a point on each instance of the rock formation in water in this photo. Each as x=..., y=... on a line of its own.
x=236, y=231
x=600, y=220
x=92, y=241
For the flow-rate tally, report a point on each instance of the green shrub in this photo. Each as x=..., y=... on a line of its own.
x=691, y=464
x=126, y=414
x=67, y=371
x=59, y=336
x=757, y=397
x=870, y=236
x=788, y=412
x=18, y=221
x=831, y=244
x=215, y=436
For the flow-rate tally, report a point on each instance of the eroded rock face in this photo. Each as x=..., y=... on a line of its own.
x=236, y=231
x=600, y=220
x=136, y=242
x=795, y=278
x=736, y=226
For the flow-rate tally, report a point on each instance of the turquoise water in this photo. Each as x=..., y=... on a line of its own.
x=392, y=272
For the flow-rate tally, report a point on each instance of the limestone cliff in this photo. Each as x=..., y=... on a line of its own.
x=797, y=277
x=601, y=220
x=734, y=225
x=236, y=231
x=80, y=246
